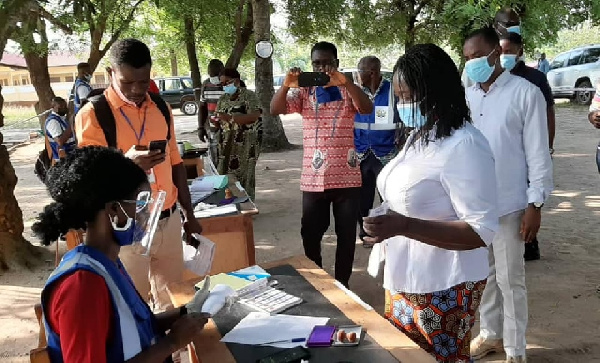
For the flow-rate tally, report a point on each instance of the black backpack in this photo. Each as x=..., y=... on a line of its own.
x=106, y=119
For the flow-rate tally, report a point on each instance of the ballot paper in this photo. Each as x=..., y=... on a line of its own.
x=209, y=183
x=259, y=328
x=377, y=255
x=199, y=260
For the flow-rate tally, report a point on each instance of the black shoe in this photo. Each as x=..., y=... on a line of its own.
x=532, y=251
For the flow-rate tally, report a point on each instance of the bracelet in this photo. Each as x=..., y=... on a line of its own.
x=183, y=310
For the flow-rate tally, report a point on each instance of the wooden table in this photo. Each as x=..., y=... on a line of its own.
x=210, y=349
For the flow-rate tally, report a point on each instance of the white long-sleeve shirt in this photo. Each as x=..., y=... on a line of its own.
x=449, y=179
x=512, y=116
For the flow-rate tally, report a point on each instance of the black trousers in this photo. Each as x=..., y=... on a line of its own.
x=315, y=221
x=369, y=169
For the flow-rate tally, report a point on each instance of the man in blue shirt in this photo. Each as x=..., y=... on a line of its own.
x=58, y=130
x=374, y=133
x=543, y=64
x=82, y=86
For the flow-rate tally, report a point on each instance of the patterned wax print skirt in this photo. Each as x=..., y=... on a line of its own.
x=439, y=322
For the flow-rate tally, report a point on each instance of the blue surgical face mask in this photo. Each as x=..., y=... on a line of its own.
x=410, y=114
x=508, y=61
x=124, y=235
x=514, y=29
x=88, y=77
x=230, y=89
x=479, y=70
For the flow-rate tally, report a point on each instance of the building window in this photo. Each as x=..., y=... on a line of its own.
x=24, y=81
x=54, y=79
x=4, y=82
x=69, y=78
x=16, y=82
x=100, y=79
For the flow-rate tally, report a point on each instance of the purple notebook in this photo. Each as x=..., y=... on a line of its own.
x=321, y=336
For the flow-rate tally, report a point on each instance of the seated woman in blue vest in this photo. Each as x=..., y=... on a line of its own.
x=92, y=311
x=59, y=132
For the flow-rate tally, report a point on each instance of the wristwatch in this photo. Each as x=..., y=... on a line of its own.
x=537, y=205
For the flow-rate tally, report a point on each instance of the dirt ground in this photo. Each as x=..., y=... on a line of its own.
x=564, y=286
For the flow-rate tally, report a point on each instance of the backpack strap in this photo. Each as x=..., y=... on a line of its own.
x=107, y=122
x=105, y=118
x=164, y=109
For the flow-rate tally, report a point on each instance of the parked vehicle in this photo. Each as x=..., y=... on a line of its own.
x=577, y=68
x=179, y=93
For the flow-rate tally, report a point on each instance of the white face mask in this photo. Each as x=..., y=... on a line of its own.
x=118, y=91
x=215, y=80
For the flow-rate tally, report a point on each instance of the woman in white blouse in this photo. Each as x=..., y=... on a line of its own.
x=441, y=197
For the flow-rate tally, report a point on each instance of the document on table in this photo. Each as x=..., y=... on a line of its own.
x=259, y=328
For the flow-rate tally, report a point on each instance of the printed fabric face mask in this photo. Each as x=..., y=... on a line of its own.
x=508, y=61
x=479, y=70
x=410, y=114
x=214, y=80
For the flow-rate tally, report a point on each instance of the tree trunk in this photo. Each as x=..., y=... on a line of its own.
x=14, y=249
x=95, y=57
x=274, y=138
x=36, y=57
x=190, y=46
x=173, y=58
x=243, y=33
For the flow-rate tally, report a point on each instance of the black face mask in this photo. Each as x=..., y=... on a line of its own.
x=62, y=112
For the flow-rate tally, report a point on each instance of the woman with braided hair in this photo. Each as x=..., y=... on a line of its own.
x=92, y=311
x=440, y=193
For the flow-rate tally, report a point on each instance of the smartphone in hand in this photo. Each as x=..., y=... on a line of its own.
x=158, y=145
x=312, y=79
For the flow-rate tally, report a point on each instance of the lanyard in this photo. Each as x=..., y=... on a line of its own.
x=335, y=119
x=141, y=134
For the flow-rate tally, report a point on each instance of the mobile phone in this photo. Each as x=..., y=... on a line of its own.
x=312, y=79
x=287, y=356
x=158, y=145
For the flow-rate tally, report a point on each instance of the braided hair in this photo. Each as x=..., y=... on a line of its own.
x=81, y=185
x=434, y=81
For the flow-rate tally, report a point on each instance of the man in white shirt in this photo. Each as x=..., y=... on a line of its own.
x=511, y=113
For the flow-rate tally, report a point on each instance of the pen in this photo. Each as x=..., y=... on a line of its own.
x=295, y=340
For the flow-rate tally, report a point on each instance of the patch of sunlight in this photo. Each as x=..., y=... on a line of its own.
x=264, y=247
x=592, y=197
x=267, y=191
x=565, y=155
x=566, y=194
x=286, y=170
x=565, y=206
x=592, y=203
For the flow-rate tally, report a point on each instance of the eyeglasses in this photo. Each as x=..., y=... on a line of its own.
x=141, y=202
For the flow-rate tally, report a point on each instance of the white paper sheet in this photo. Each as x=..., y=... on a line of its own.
x=260, y=328
x=199, y=260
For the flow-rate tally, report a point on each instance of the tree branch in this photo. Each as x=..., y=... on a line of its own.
x=38, y=10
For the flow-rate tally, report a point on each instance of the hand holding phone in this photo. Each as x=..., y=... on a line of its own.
x=291, y=79
x=313, y=79
x=158, y=145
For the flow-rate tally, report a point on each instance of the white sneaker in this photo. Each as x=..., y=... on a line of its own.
x=480, y=347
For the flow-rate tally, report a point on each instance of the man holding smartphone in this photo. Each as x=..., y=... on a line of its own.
x=142, y=122
x=330, y=167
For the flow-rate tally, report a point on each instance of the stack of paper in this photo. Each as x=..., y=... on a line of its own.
x=209, y=183
x=261, y=328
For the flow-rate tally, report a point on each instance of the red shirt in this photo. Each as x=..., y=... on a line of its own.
x=80, y=311
x=335, y=140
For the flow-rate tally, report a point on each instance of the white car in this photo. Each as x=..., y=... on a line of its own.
x=573, y=73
